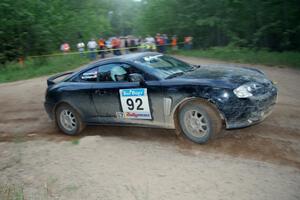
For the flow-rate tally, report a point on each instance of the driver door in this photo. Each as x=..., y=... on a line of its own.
x=127, y=102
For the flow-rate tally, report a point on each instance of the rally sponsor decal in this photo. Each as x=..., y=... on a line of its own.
x=135, y=103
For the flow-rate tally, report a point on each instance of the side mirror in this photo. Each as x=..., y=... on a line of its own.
x=135, y=77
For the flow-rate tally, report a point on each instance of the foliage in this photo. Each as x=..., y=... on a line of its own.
x=38, y=27
x=272, y=24
x=246, y=55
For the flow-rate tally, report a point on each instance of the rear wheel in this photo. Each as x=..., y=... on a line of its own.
x=68, y=120
x=199, y=121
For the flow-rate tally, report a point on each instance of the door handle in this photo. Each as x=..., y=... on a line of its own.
x=100, y=92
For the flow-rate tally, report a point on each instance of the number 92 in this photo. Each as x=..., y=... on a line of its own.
x=131, y=104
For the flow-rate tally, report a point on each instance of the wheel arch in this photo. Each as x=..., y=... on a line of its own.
x=183, y=102
x=57, y=105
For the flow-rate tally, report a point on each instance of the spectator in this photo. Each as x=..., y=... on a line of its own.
x=160, y=43
x=166, y=39
x=166, y=42
x=126, y=44
x=132, y=45
x=188, y=42
x=92, y=46
x=65, y=47
x=118, y=43
x=139, y=42
x=80, y=47
x=149, y=39
x=150, y=43
x=101, y=44
x=174, y=43
x=157, y=38
x=114, y=45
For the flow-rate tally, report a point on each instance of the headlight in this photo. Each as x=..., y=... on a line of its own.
x=246, y=90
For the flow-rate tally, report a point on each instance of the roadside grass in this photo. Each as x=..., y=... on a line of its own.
x=11, y=192
x=246, y=55
x=34, y=67
x=75, y=141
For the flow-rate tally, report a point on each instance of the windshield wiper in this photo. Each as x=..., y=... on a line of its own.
x=175, y=75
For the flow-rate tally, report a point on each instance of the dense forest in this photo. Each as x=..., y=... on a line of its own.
x=273, y=24
x=33, y=27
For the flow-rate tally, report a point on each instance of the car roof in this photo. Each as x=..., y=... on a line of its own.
x=127, y=57
x=137, y=56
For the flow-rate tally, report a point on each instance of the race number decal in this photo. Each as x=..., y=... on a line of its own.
x=135, y=103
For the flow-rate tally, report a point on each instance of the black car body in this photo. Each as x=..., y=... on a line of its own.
x=240, y=96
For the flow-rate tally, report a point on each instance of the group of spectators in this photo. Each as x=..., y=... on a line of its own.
x=128, y=44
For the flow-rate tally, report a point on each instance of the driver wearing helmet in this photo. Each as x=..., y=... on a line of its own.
x=118, y=74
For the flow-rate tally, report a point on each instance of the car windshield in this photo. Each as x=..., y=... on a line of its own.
x=166, y=66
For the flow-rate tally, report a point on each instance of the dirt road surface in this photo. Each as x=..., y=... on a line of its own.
x=38, y=162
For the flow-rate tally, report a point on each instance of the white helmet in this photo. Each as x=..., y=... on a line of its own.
x=117, y=71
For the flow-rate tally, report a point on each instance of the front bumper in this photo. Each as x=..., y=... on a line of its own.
x=246, y=112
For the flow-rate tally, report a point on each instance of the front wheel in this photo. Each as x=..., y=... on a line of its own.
x=199, y=121
x=68, y=120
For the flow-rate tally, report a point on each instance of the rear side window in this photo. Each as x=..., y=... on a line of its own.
x=101, y=73
x=90, y=75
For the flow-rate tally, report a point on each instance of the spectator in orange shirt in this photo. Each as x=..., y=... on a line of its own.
x=174, y=43
x=116, y=44
x=160, y=43
x=101, y=44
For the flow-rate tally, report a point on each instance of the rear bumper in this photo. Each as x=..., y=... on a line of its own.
x=49, y=109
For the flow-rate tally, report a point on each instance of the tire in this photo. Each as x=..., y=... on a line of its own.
x=198, y=121
x=68, y=120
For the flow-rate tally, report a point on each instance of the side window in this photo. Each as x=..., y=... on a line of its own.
x=130, y=70
x=101, y=73
x=120, y=72
x=112, y=73
x=104, y=72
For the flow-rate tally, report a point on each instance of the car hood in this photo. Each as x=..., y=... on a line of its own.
x=233, y=76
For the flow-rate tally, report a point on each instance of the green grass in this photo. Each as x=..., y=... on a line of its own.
x=11, y=192
x=35, y=67
x=75, y=141
x=245, y=55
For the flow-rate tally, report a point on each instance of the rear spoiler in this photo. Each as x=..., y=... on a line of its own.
x=50, y=81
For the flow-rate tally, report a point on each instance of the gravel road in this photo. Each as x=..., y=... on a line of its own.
x=38, y=162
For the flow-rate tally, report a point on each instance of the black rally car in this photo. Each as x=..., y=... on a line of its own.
x=156, y=90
